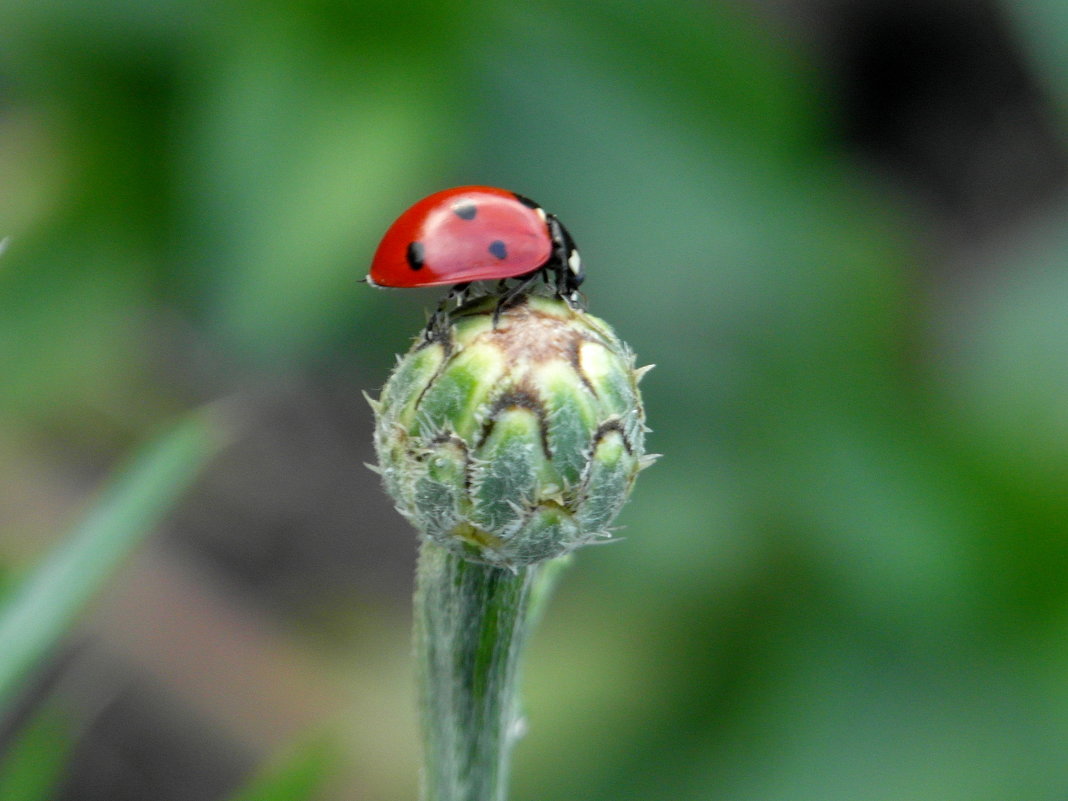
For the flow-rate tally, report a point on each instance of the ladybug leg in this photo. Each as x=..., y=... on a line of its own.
x=459, y=295
x=560, y=274
x=510, y=296
x=565, y=285
x=438, y=324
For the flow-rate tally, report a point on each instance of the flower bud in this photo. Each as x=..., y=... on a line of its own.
x=514, y=442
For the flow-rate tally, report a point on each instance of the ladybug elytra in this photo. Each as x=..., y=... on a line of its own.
x=477, y=233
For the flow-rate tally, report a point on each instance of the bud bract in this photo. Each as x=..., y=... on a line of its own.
x=513, y=440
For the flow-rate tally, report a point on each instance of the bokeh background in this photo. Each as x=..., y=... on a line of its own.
x=838, y=227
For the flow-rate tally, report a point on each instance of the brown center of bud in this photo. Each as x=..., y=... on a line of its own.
x=530, y=335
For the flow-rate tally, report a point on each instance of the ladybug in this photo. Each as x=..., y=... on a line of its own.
x=477, y=233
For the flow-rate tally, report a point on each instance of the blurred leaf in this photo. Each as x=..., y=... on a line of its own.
x=74, y=344
x=1042, y=25
x=299, y=778
x=33, y=764
x=1003, y=349
x=305, y=140
x=713, y=67
x=1000, y=371
x=41, y=609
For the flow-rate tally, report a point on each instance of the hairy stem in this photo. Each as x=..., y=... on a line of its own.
x=471, y=620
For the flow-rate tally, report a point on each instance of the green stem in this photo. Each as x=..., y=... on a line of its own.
x=471, y=620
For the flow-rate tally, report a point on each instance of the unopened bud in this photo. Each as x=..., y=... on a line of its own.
x=514, y=442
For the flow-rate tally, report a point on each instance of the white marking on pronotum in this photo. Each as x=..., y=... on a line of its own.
x=574, y=262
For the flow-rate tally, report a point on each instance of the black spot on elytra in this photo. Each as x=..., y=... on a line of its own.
x=416, y=255
x=465, y=211
x=498, y=249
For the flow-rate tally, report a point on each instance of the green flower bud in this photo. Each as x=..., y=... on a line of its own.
x=514, y=443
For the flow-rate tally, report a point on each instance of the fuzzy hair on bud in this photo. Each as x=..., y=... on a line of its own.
x=513, y=440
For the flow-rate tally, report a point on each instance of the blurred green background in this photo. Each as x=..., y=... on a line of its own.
x=840, y=230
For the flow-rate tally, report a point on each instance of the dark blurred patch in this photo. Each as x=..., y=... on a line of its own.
x=942, y=95
x=142, y=745
x=285, y=512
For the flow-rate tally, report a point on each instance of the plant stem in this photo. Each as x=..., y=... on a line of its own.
x=471, y=620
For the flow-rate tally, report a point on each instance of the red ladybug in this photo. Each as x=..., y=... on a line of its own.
x=477, y=233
